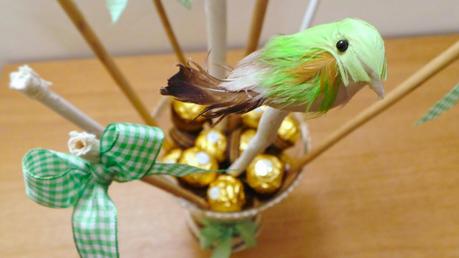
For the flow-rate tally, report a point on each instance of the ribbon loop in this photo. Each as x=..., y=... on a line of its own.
x=54, y=179
x=132, y=148
x=59, y=180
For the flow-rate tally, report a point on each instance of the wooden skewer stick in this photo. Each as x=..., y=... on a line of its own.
x=163, y=183
x=403, y=90
x=31, y=84
x=99, y=50
x=257, y=25
x=169, y=31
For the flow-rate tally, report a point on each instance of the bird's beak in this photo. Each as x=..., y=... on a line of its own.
x=378, y=87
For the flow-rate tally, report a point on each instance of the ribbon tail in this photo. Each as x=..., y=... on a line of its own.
x=94, y=223
x=177, y=170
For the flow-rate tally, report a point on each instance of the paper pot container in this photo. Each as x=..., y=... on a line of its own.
x=196, y=216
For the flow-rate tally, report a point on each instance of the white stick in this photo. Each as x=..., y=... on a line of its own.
x=32, y=85
x=216, y=36
x=266, y=133
x=271, y=118
x=216, y=42
x=309, y=14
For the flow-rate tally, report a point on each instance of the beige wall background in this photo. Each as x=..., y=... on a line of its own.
x=39, y=30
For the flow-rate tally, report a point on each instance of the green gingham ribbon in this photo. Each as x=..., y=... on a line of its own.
x=59, y=180
x=447, y=102
x=219, y=235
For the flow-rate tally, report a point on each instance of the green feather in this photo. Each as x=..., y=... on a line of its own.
x=284, y=53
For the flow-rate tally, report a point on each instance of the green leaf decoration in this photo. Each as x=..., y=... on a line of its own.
x=218, y=236
x=186, y=3
x=116, y=8
x=444, y=104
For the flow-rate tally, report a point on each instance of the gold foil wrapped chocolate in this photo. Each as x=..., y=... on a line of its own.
x=246, y=136
x=289, y=129
x=252, y=118
x=226, y=194
x=188, y=111
x=172, y=156
x=213, y=142
x=265, y=173
x=201, y=159
x=186, y=116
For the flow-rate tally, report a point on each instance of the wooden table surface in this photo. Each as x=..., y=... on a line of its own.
x=390, y=189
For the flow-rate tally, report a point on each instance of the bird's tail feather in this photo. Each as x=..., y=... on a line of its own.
x=194, y=84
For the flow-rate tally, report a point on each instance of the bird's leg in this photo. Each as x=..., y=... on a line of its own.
x=266, y=133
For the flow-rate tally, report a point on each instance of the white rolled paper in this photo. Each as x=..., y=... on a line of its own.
x=32, y=85
x=84, y=145
x=216, y=37
x=309, y=14
x=271, y=119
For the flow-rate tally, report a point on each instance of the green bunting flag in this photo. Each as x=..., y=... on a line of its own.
x=444, y=104
x=59, y=180
x=116, y=8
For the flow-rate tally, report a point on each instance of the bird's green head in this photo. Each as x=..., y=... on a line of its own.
x=356, y=46
x=358, y=49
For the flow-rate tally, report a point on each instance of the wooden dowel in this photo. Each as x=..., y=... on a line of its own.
x=169, y=31
x=405, y=88
x=256, y=26
x=163, y=183
x=87, y=32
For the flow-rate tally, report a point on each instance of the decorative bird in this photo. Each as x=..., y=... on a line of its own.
x=311, y=71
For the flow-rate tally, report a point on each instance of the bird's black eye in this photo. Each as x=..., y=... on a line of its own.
x=342, y=45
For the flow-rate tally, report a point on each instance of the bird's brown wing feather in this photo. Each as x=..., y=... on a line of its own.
x=194, y=84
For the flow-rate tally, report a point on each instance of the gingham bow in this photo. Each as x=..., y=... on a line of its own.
x=60, y=180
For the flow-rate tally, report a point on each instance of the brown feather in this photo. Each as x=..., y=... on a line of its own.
x=194, y=84
x=324, y=66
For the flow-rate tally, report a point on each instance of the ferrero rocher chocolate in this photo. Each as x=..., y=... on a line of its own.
x=172, y=156
x=186, y=116
x=201, y=159
x=289, y=129
x=213, y=142
x=287, y=134
x=246, y=136
x=188, y=111
x=252, y=118
x=226, y=194
x=265, y=173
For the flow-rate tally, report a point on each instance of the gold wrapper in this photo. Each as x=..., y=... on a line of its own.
x=252, y=118
x=265, y=173
x=246, y=136
x=213, y=142
x=201, y=159
x=172, y=156
x=226, y=194
x=188, y=111
x=289, y=129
